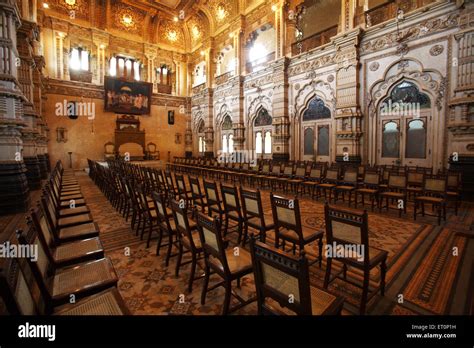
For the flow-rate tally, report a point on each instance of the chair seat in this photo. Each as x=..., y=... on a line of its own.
x=256, y=223
x=78, y=249
x=452, y=194
x=108, y=302
x=393, y=194
x=366, y=190
x=84, y=230
x=375, y=256
x=414, y=189
x=309, y=235
x=74, y=211
x=327, y=185
x=295, y=181
x=69, y=197
x=345, y=188
x=74, y=220
x=241, y=264
x=234, y=215
x=86, y=276
x=430, y=199
x=322, y=302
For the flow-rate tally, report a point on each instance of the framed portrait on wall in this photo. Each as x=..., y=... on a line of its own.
x=127, y=97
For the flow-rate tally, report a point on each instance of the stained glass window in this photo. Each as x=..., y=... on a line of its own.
x=263, y=118
x=227, y=123
x=405, y=94
x=201, y=127
x=309, y=141
x=316, y=110
x=323, y=141
x=391, y=140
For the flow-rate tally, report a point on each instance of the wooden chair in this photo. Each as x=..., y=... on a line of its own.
x=230, y=264
x=150, y=217
x=297, y=178
x=198, y=198
x=63, y=254
x=369, y=187
x=287, y=219
x=172, y=192
x=348, y=184
x=166, y=226
x=347, y=230
x=434, y=193
x=415, y=181
x=396, y=190
x=283, y=285
x=188, y=239
x=313, y=180
x=16, y=290
x=254, y=216
x=183, y=192
x=233, y=211
x=213, y=200
x=70, y=233
x=328, y=183
x=58, y=284
x=454, y=186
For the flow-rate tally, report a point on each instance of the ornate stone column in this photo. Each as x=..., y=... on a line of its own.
x=25, y=37
x=101, y=41
x=188, y=137
x=348, y=115
x=281, y=121
x=13, y=182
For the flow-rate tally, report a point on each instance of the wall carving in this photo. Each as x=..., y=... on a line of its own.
x=436, y=50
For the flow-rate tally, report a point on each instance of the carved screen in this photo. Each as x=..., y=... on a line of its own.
x=309, y=141
x=391, y=140
x=323, y=141
x=416, y=139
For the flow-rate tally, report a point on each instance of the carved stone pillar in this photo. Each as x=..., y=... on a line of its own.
x=188, y=137
x=281, y=120
x=461, y=106
x=209, y=121
x=25, y=36
x=101, y=41
x=348, y=115
x=13, y=182
x=237, y=110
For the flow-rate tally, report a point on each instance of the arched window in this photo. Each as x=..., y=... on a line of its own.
x=391, y=140
x=258, y=142
x=79, y=59
x=268, y=142
x=316, y=110
x=125, y=67
x=227, y=135
x=227, y=123
x=201, y=145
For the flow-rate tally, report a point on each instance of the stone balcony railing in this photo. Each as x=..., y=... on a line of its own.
x=223, y=78
x=199, y=88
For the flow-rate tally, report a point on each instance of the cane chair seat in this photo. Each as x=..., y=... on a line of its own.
x=78, y=249
x=255, y=222
x=242, y=263
x=89, y=275
x=429, y=199
x=344, y=187
x=67, y=197
x=452, y=193
x=108, y=302
x=392, y=194
x=308, y=234
x=367, y=190
x=90, y=230
x=74, y=211
x=327, y=185
x=74, y=220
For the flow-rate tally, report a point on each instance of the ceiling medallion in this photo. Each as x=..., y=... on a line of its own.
x=70, y=3
x=196, y=32
x=172, y=35
x=374, y=66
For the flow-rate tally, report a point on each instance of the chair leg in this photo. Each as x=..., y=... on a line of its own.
x=206, y=283
x=178, y=261
x=320, y=247
x=327, y=276
x=365, y=292
x=228, y=290
x=193, y=272
x=149, y=235
x=170, y=247
x=383, y=271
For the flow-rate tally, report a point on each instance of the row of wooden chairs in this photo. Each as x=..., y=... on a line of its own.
x=181, y=207
x=385, y=187
x=70, y=271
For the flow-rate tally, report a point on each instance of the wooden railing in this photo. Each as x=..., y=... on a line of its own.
x=313, y=41
x=388, y=10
